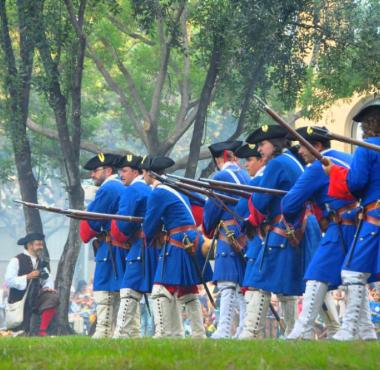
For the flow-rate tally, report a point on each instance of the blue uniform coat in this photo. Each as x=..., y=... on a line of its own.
x=228, y=264
x=171, y=209
x=363, y=181
x=312, y=185
x=280, y=267
x=138, y=275
x=107, y=201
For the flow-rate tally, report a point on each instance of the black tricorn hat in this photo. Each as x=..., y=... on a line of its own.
x=151, y=163
x=218, y=149
x=129, y=160
x=266, y=132
x=247, y=150
x=30, y=238
x=371, y=109
x=100, y=160
x=312, y=133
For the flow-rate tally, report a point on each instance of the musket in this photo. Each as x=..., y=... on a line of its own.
x=175, y=186
x=79, y=214
x=345, y=139
x=204, y=184
x=248, y=188
x=208, y=192
x=188, y=248
x=264, y=107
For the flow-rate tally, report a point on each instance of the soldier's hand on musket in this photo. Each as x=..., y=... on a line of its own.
x=33, y=275
x=327, y=164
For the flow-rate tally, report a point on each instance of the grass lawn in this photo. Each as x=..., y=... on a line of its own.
x=107, y=354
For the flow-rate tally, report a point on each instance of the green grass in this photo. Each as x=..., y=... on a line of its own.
x=107, y=354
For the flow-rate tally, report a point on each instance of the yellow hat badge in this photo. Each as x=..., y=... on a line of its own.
x=310, y=131
x=251, y=146
x=101, y=157
x=129, y=157
x=265, y=128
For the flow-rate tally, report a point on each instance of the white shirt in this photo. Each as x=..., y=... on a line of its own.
x=20, y=282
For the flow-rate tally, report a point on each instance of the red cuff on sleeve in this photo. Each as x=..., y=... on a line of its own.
x=338, y=187
x=255, y=217
x=116, y=234
x=85, y=231
x=197, y=213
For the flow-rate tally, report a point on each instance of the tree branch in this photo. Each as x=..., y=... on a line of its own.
x=164, y=61
x=121, y=27
x=181, y=163
x=131, y=84
x=119, y=91
x=84, y=145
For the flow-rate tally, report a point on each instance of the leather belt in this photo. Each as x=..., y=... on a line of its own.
x=372, y=220
x=295, y=236
x=179, y=244
x=182, y=229
x=126, y=245
x=370, y=207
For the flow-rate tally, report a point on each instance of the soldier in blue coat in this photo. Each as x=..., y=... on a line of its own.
x=140, y=261
x=280, y=265
x=109, y=256
x=254, y=164
x=229, y=261
x=338, y=218
x=176, y=277
x=361, y=181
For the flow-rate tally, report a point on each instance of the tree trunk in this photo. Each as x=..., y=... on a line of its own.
x=18, y=89
x=205, y=98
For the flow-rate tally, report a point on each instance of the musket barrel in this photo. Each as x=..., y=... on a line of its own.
x=79, y=214
x=248, y=188
x=352, y=141
x=176, y=186
x=291, y=130
x=204, y=184
x=208, y=193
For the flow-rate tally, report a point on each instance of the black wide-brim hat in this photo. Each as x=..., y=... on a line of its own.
x=266, y=132
x=311, y=133
x=374, y=108
x=151, y=163
x=102, y=160
x=247, y=150
x=129, y=160
x=218, y=149
x=30, y=238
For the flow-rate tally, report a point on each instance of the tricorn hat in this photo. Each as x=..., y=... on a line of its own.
x=100, y=160
x=151, y=163
x=247, y=150
x=30, y=238
x=129, y=160
x=218, y=149
x=312, y=133
x=266, y=132
x=373, y=108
